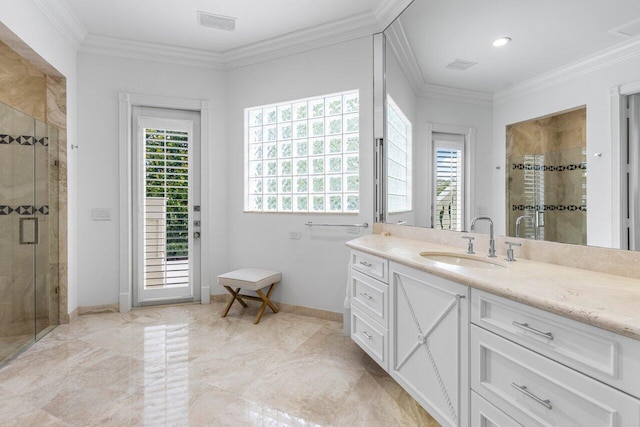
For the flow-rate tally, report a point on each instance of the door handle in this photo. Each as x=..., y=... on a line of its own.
x=196, y=235
x=26, y=237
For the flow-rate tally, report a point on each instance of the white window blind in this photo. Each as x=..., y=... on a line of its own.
x=448, y=207
x=399, y=149
x=166, y=208
x=303, y=156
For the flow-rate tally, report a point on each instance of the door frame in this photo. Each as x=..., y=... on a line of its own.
x=618, y=96
x=126, y=103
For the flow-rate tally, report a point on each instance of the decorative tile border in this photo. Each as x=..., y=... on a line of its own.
x=561, y=168
x=582, y=208
x=23, y=140
x=24, y=210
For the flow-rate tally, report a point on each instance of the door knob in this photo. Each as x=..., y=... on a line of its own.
x=196, y=235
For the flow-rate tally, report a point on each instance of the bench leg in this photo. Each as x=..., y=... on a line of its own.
x=235, y=295
x=266, y=301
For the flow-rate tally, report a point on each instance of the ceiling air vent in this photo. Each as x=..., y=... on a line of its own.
x=630, y=29
x=460, y=65
x=217, y=22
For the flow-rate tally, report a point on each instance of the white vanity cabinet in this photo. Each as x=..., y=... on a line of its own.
x=429, y=342
x=369, y=293
x=541, y=369
x=471, y=358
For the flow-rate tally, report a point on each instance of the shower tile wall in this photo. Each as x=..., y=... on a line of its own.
x=24, y=86
x=17, y=311
x=32, y=173
x=559, y=142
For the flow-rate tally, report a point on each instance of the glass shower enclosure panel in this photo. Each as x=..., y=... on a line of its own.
x=28, y=231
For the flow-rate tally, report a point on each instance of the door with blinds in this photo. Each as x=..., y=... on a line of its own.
x=166, y=207
x=449, y=182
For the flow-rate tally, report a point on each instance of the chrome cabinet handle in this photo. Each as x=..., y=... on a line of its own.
x=365, y=295
x=524, y=390
x=366, y=264
x=367, y=335
x=22, y=231
x=526, y=327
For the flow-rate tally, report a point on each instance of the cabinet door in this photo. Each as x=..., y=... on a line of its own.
x=429, y=348
x=484, y=414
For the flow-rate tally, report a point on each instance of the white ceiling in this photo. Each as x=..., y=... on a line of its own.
x=174, y=22
x=547, y=34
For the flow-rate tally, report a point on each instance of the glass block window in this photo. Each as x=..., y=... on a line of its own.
x=303, y=156
x=398, y=159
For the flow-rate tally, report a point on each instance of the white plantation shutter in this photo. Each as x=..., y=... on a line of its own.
x=448, y=206
x=166, y=208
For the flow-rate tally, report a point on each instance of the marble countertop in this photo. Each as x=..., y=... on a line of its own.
x=603, y=300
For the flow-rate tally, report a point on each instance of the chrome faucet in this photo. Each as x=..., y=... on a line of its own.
x=492, y=242
x=519, y=220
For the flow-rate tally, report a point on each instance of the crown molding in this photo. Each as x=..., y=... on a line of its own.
x=350, y=28
x=447, y=93
x=589, y=64
x=401, y=48
x=389, y=11
x=132, y=49
x=64, y=20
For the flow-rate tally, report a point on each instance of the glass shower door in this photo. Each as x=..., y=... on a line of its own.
x=27, y=307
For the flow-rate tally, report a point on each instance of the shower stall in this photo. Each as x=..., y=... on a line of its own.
x=546, y=190
x=29, y=306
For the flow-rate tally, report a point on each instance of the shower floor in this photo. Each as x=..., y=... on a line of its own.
x=10, y=346
x=14, y=344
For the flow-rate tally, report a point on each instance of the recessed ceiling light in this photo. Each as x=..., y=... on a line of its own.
x=501, y=41
x=217, y=22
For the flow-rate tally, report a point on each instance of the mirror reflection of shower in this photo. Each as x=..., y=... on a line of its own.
x=546, y=178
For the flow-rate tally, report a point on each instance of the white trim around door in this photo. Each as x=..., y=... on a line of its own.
x=126, y=103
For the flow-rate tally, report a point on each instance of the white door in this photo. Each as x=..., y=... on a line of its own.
x=166, y=203
x=449, y=182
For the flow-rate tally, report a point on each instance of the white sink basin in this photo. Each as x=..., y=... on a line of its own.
x=461, y=260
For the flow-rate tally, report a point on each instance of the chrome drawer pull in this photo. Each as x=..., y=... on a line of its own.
x=528, y=328
x=523, y=389
x=366, y=264
x=364, y=295
x=367, y=335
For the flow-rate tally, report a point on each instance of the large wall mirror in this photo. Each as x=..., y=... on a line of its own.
x=515, y=110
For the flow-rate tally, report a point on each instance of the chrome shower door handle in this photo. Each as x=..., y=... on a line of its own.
x=28, y=234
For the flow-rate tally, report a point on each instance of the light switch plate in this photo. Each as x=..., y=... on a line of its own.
x=295, y=235
x=101, y=214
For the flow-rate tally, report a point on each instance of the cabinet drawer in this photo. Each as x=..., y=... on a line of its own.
x=371, y=265
x=598, y=353
x=371, y=296
x=484, y=414
x=537, y=391
x=371, y=337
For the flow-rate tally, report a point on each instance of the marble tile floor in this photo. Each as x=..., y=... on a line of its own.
x=185, y=365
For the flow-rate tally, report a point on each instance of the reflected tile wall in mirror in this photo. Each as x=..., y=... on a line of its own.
x=546, y=178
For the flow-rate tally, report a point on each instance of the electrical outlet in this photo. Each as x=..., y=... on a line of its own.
x=295, y=235
x=353, y=230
